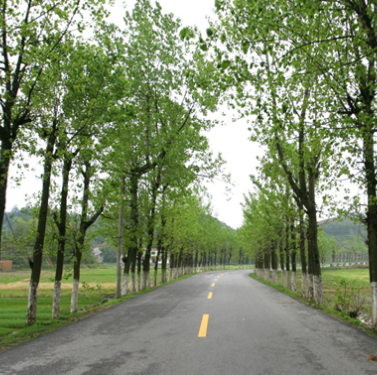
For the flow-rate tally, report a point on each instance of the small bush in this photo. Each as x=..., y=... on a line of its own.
x=348, y=298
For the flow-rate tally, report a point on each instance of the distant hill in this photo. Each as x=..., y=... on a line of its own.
x=343, y=229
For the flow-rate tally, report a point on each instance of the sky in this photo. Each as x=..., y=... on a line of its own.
x=230, y=139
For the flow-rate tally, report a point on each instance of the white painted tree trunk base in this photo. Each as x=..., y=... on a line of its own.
x=31, y=315
x=148, y=279
x=283, y=277
x=144, y=280
x=289, y=279
x=319, y=296
x=310, y=287
x=56, y=300
x=304, y=285
x=125, y=284
x=275, y=276
x=163, y=276
x=75, y=296
x=373, y=286
x=155, y=278
x=294, y=279
x=133, y=283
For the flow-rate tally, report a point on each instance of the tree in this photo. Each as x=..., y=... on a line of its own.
x=157, y=136
x=328, y=247
x=31, y=33
x=72, y=86
x=294, y=106
x=88, y=84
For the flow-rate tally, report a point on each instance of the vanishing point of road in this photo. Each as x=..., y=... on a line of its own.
x=214, y=323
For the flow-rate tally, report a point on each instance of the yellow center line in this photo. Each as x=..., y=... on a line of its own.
x=203, y=326
x=213, y=284
x=210, y=295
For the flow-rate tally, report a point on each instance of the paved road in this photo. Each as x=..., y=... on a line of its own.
x=252, y=329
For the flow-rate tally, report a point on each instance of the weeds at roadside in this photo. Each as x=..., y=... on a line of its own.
x=348, y=298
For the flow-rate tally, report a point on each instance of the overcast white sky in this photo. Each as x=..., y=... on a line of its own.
x=231, y=140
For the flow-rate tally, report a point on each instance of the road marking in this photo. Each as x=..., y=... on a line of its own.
x=203, y=326
x=213, y=284
x=210, y=295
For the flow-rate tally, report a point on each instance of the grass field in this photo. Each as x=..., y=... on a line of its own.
x=96, y=286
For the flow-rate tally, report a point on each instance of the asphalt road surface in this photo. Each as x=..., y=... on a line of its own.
x=243, y=327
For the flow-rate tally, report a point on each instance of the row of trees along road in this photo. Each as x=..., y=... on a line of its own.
x=118, y=120
x=307, y=72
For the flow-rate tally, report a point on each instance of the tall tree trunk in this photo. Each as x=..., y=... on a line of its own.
x=180, y=262
x=293, y=254
x=164, y=260
x=196, y=260
x=62, y=226
x=118, y=288
x=287, y=254
x=171, y=266
x=313, y=243
x=84, y=225
x=281, y=253
x=161, y=248
x=134, y=224
x=5, y=157
x=371, y=216
x=126, y=273
x=31, y=315
x=139, y=263
x=266, y=264
x=274, y=262
x=304, y=277
x=156, y=267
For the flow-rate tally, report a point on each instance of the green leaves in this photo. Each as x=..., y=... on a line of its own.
x=225, y=64
x=187, y=33
x=209, y=32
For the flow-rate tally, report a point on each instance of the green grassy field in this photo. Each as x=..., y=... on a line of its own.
x=96, y=286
